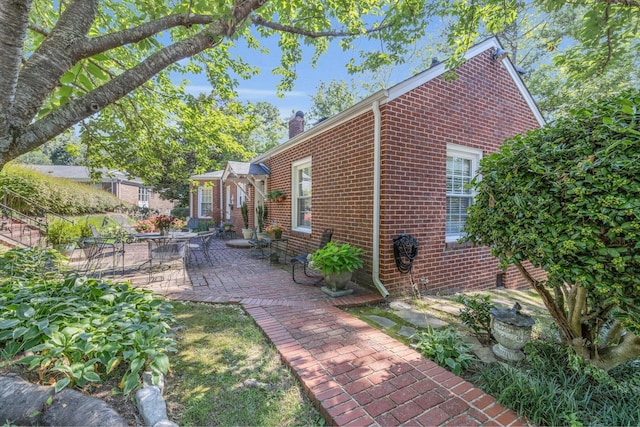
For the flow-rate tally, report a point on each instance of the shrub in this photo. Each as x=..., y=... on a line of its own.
x=79, y=330
x=476, y=314
x=181, y=213
x=445, y=347
x=61, y=232
x=58, y=195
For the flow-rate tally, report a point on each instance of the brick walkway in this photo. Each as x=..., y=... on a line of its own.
x=354, y=374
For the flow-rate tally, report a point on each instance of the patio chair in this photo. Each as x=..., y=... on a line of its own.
x=165, y=251
x=257, y=246
x=303, y=259
x=203, y=245
x=98, y=246
x=193, y=224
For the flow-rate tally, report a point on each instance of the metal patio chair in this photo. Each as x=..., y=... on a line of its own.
x=202, y=244
x=303, y=259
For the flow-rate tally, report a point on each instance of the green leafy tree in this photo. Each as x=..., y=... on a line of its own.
x=269, y=130
x=331, y=98
x=64, y=62
x=565, y=198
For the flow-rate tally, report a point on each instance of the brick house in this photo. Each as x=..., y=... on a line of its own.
x=129, y=190
x=396, y=163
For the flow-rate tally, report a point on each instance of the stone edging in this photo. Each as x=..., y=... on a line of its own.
x=150, y=403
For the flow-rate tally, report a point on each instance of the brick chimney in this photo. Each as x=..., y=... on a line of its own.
x=296, y=124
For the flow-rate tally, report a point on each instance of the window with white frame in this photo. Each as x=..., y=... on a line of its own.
x=143, y=197
x=241, y=194
x=301, y=192
x=205, y=202
x=462, y=163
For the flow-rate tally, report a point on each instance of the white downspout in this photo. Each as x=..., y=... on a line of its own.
x=375, y=273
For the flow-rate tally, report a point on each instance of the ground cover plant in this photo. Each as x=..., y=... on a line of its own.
x=565, y=198
x=226, y=373
x=553, y=386
x=75, y=330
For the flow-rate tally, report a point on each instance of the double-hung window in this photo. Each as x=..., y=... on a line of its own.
x=462, y=163
x=205, y=202
x=301, y=191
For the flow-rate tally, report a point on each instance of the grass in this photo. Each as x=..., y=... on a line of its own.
x=226, y=373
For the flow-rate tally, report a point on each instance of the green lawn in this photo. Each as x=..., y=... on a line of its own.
x=226, y=373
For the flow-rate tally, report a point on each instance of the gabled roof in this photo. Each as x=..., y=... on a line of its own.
x=208, y=175
x=245, y=172
x=387, y=95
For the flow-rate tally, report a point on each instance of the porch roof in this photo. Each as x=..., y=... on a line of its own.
x=245, y=172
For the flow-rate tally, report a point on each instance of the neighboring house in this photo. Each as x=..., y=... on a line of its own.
x=397, y=163
x=128, y=190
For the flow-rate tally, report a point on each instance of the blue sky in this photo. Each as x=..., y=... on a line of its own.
x=332, y=65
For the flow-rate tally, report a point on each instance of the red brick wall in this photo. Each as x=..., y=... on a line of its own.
x=478, y=110
x=342, y=188
x=129, y=193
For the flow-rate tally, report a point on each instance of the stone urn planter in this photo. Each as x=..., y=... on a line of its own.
x=337, y=283
x=512, y=330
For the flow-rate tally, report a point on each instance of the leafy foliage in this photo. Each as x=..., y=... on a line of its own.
x=565, y=198
x=79, y=330
x=476, y=313
x=58, y=195
x=330, y=99
x=60, y=232
x=336, y=258
x=553, y=387
x=445, y=347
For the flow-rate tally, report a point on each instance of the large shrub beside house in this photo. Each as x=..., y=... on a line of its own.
x=567, y=198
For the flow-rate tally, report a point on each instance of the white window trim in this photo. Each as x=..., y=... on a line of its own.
x=200, y=191
x=473, y=154
x=294, y=194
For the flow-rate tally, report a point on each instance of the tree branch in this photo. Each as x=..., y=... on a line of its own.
x=258, y=20
x=554, y=310
x=67, y=115
x=90, y=47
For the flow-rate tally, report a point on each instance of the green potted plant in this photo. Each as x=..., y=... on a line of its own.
x=277, y=195
x=247, y=233
x=261, y=215
x=63, y=235
x=337, y=263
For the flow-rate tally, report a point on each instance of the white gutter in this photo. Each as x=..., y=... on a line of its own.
x=375, y=272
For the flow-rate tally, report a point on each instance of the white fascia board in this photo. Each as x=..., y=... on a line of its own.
x=438, y=70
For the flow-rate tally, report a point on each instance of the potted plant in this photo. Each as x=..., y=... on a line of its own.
x=247, y=233
x=63, y=235
x=337, y=263
x=261, y=215
x=277, y=195
x=276, y=230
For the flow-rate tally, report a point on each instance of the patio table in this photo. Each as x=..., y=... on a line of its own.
x=167, y=247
